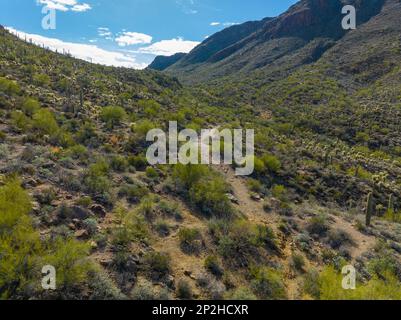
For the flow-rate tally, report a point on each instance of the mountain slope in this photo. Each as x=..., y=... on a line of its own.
x=163, y=62
x=307, y=29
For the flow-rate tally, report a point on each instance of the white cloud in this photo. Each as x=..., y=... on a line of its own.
x=81, y=7
x=169, y=47
x=131, y=38
x=88, y=52
x=65, y=5
x=104, y=32
x=225, y=24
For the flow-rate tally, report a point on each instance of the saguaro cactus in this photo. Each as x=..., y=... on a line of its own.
x=369, y=208
x=390, y=207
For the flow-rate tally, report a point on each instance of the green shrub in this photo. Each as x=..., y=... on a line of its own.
x=9, y=87
x=268, y=284
x=318, y=225
x=330, y=287
x=96, y=178
x=77, y=152
x=138, y=162
x=145, y=291
x=42, y=80
x=69, y=259
x=119, y=163
x=297, y=262
x=133, y=193
x=21, y=121
x=240, y=240
x=272, y=163
x=242, y=294
x=30, y=106
x=158, y=264
x=152, y=173
x=255, y=185
x=184, y=290
x=113, y=116
x=212, y=264
x=23, y=253
x=44, y=122
x=279, y=192
x=130, y=226
x=189, y=239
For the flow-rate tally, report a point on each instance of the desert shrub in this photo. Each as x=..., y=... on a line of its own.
x=142, y=127
x=187, y=176
x=157, y=264
x=20, y=120
x=297, y=262
x=204, y=188
x=112, y=116
x=90, y=225
x=338, y=238
x=190, y=239
x=268, y=284
x=96, y=177
x=42, y=80
x=162, y=228
x=103, y=288
x=384, y=263
x=129, y=226
x=69, y=259
x=144, y=291
x=212, y=264
x=46, y=196
x=239, y=241
x=133, y=193
x=119, y=163
x=271, y=162
x=30, y=107
x=147, y=207
x=310, y=284
x=184, y=290
x=170, y=209
x=44, y=122
x=77, y=152
x=150, y=107
x=330, y=287
x=255, y=185
x=85, y=201
x=9, y=87
x=279, y=192
x=318, y=225
x=23, y=253
x=138, y=162
x=151, y=173
x=242, y=294
x=260, y=167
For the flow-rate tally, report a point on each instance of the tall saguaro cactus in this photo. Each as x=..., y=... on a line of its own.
x=390, y=207
x=369, y=208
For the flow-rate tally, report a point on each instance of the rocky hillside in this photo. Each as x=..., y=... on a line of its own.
x=77, y=192
x=297, y=37
x=163, y=62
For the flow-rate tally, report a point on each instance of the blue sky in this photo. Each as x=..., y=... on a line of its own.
x=131, y=32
